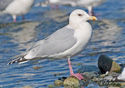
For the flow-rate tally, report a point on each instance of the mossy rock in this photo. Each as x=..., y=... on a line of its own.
x=71, y=81
x=58, y=82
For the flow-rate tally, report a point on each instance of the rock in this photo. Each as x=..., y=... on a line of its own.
x=103, y=75
x=37, y=67
x=58, y=82
x=73, y=86
x=90, y=75
x=27, y=87
x=115, y=67
x=51, y=86
x=62, y=78
x=112, y=76
x=113, y=87
x=123, y=84
x=105, y=64
x=71, y=81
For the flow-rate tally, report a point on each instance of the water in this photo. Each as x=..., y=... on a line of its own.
x=108, y=38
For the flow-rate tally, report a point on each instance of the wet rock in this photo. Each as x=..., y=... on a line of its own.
x=58, y=82
x=90, y=75
x=51, y=86
x=115, y=67
x=105, y=64
x=123, y=85
x=113, y=87
x=36, y=67
x=71, y=81
x=115, y=84
x=73, y=86
x=103, y=75
x=112, y=76
x=27, y=87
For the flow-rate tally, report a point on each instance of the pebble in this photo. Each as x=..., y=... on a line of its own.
x=58, y=82
x=36, y=67
x=90, y=75
x=27, y=87
x=51, y=86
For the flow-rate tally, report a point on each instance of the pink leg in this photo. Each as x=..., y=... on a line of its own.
x=54, y=6
x=77, y=75
x=23, y=17
x=57, y=7
x=14, y=20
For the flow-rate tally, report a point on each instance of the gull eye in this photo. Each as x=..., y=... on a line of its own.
x=79, y=14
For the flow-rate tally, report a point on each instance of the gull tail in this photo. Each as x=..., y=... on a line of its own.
x=19, y=60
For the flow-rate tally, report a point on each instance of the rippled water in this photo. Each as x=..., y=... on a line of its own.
x=108, y=38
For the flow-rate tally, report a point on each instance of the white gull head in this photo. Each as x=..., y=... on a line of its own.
x=79, y=16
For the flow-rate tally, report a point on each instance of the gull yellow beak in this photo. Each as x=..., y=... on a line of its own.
x=92, y=18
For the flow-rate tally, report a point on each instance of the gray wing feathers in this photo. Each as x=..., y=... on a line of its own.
x=56, y=43
x=4, y=4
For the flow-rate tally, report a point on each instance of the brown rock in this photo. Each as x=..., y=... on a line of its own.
x=115, y=67
x=123, y=84
x=27, y=87
x=37, y=67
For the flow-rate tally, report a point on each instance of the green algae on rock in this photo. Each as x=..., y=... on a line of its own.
x=70, y=81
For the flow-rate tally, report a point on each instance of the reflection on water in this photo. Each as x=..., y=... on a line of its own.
x=56, y=14
x=108, y=38
x=25, y=33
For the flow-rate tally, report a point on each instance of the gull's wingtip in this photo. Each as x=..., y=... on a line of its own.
x=19, y=60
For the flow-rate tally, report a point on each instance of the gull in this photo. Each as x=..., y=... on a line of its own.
x=15, y=7
x=88, y=4
x=56, y=2
x=66, y=42
x=122, y=75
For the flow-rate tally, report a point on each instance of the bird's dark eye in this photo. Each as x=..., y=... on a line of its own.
x=79, y=14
